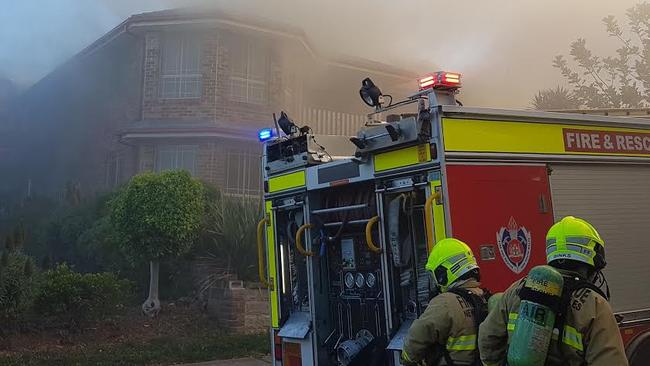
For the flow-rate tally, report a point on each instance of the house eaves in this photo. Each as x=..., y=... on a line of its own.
x=166, y=129
x=178, y=17
x=228, y=24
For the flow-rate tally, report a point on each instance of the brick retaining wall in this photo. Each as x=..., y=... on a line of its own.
x=239, y=309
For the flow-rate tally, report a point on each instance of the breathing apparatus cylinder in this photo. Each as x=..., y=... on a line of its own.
x=533, y=328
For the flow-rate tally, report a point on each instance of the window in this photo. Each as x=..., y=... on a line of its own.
x=243, y=174
x=248, y=62
x=113, y=162
x=177, y=157
x=181, y=68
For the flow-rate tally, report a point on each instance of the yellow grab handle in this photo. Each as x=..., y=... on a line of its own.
x=299, y=246
x=369, y=242
x=260, y=251
x=428, y=218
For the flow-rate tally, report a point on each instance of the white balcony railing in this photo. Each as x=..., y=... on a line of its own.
x=323, y=121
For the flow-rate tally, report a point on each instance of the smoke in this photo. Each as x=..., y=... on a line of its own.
x=38, y=35
x=503, y=48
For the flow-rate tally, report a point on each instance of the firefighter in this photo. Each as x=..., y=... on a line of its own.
x=445, y=334
x=585, y=332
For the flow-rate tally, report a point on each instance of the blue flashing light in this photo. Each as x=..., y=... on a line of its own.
x=265, y=134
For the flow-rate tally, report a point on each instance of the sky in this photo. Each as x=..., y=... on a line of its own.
x=503, y=48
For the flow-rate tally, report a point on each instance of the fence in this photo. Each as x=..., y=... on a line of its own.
x=323, y=121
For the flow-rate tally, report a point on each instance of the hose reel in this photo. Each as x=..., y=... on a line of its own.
x=348, y=350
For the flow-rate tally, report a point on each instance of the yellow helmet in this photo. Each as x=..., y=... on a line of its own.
x=449, y=260
x=575, y=239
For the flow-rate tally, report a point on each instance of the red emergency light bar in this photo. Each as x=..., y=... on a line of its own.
x=440, y=80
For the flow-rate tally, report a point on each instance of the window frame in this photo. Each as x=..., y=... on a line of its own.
x=113, y=169
x=250, y=48
x=178, y=151
x=183, y=40
x=243, y=184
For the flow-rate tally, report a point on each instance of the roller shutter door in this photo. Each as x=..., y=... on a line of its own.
x=616, y=200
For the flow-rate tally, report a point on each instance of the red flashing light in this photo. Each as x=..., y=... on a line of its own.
x=440, y=80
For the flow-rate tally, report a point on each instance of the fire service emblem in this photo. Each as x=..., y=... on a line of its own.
x=514, y=245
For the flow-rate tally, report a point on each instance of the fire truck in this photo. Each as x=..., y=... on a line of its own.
x=349, y=221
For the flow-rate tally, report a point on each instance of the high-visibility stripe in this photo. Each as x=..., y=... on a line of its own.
x=570, y=254
x=580, y=249
x=512, y=318
x=406, y=357
x=571, y=336
x=484, y=136
x=287, y=181
x=273, y=281
x=457, y=258
x=462, y=343
x=580, y=240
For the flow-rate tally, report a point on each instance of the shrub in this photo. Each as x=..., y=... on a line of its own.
x=16, y=288
x=71, y=298
x=231, y=231
x=80, y=235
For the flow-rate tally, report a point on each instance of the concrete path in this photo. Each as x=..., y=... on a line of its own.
x=266, y=361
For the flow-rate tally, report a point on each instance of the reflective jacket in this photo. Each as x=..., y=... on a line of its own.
x=591, y=335
x=448, y=321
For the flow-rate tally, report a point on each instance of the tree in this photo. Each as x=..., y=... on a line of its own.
x=558, y=98
x=621, y=81
x=157, y=216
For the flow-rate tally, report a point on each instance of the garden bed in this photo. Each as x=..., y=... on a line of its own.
x=179, y=334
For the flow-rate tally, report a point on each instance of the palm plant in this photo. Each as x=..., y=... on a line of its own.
x=555, y=99
x=231, y=233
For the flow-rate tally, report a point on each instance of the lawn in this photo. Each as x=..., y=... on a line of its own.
x=157, y=351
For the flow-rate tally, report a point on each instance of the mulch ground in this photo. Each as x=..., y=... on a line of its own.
x=132, y=327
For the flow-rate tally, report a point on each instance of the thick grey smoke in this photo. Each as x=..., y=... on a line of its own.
x=503, y=47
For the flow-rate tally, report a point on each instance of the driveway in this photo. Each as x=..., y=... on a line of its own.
x=266, y=361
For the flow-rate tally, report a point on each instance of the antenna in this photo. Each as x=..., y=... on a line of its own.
x=277, y=126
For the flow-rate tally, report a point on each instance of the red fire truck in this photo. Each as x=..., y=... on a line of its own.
x=349, y=221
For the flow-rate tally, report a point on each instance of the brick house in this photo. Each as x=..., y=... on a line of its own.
x=8, y=130
x=187, y=89
x=7, y=91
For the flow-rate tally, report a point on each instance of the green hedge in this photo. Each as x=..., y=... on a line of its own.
x=17, y=288
x=70, y=298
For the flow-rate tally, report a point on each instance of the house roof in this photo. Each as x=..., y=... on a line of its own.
x=180, y=16
x=195, y=14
